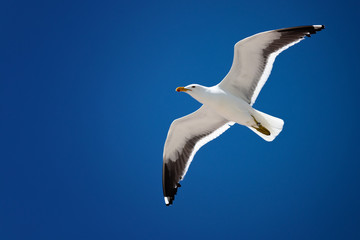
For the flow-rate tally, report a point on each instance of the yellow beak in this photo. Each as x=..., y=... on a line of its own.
x=182, y=89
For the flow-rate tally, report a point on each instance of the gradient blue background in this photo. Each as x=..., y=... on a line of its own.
x=87, y=96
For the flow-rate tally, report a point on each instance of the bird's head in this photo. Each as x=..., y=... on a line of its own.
x=192, y=89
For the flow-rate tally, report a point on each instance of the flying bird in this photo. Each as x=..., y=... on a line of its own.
x=228, y=102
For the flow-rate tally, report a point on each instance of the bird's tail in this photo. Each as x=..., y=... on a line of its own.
x=268, y=127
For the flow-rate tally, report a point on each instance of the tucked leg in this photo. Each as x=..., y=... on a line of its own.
x=259, y=127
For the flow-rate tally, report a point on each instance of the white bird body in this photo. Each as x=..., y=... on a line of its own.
x=228, y=102
x=232, y=108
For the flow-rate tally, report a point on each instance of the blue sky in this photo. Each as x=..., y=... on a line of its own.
x=87, y=96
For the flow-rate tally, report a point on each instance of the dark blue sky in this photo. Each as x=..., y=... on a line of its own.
x=87, y=96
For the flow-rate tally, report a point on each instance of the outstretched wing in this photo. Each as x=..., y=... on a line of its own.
x=254, y=57
x=185, y=137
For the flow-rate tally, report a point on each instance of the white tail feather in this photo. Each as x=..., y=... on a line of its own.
x=273, y=124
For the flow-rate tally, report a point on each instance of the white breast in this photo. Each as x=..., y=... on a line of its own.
x=229, y=106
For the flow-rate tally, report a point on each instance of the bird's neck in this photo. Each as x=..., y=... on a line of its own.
x=204, y=96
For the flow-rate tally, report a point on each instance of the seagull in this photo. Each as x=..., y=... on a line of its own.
x=228, y=102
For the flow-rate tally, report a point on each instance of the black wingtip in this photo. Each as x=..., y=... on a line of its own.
x=168, y=185
x=169, y=200
x=314, y=29
x=317, y=28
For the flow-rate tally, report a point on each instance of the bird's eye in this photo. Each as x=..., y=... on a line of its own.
x=192, y=86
